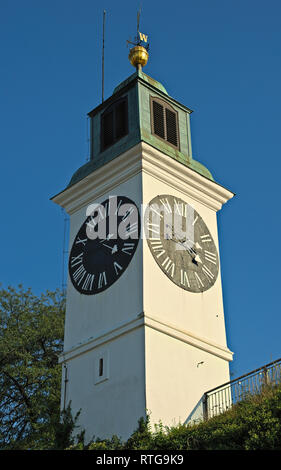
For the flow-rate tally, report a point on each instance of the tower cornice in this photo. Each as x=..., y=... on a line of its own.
x=143, y=157
x=149, y=321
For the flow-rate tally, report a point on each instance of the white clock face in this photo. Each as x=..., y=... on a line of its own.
x=181, y=244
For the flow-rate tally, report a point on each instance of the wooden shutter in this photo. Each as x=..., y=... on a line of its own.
x=121, y=120
x=107, y=130
x=158, y=119
x=171, y=127
x=164, y=121
x=114, y=123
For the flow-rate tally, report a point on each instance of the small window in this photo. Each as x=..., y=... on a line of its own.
x=164, y=121
x=114, y=123
x=101, y=367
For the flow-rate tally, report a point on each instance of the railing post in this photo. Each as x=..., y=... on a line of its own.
x=265, y=376
x=205, y=406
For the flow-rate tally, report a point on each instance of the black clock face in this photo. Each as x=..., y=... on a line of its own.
x=104, y=245
x=181, y=243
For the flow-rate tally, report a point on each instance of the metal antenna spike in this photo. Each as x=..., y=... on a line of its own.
x=138, y=21
x=103, y=33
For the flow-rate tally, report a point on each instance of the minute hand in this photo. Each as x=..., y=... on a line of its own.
x=196, y=244
x=189, y=248
x=195, y=257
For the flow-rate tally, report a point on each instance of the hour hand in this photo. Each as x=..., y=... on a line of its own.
x=196, y=244
x=195, y=257
x=108, y=237
x=113, y=248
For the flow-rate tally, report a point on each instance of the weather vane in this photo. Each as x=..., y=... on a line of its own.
x=138, y=55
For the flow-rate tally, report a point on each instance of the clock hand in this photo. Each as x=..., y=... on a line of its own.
x=108, y=237
x=183, y=240
x=189, y=248
x=196, y=244
x=195, y=257
x=112, y=248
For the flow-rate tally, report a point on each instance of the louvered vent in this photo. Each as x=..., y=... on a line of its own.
x=114, y=123
x=164, y=121
x=171, y=126
x=108, y=133
x=121, y=119
x=158, y=119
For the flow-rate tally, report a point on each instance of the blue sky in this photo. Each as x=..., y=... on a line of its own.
x=221, y=58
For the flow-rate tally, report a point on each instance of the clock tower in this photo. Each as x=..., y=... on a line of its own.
x=144, y=329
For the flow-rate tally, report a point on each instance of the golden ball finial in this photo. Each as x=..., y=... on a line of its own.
x=138, y=56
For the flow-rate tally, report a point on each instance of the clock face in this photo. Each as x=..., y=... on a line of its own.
x=104, y=245
x=181, y=243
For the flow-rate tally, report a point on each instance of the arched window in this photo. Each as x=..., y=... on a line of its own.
x=114, y=123
x=164, y=121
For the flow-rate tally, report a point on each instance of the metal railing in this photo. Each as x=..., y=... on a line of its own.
x=223, y=397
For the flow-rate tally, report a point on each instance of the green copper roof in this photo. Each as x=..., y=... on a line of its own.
x=144, y=77
x=139, y=89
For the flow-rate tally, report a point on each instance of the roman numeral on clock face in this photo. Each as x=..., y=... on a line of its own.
x=102, y=280
x=166, y=205
x=184, y=278
x=208, y=273
x=76, y=260
x=107, y=209
x=205, y=238
x=180, y=208
x=80, y=240
x=131, y=229
x=118, y=207
x=154, y=208
x=79, y=274
x=211, y=257
x=128, y=248
x=117, y=268
x=157, y=247
x=88, y=282
x=199, y=281
x=195, y=220
x=129, y=211
x=153, y=229
x=169, y=266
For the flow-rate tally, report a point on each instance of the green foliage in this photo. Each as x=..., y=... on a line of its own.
x=140, y=437
x=64, y=431
x=31, y=338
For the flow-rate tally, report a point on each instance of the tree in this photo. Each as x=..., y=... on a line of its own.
x=31, y=338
